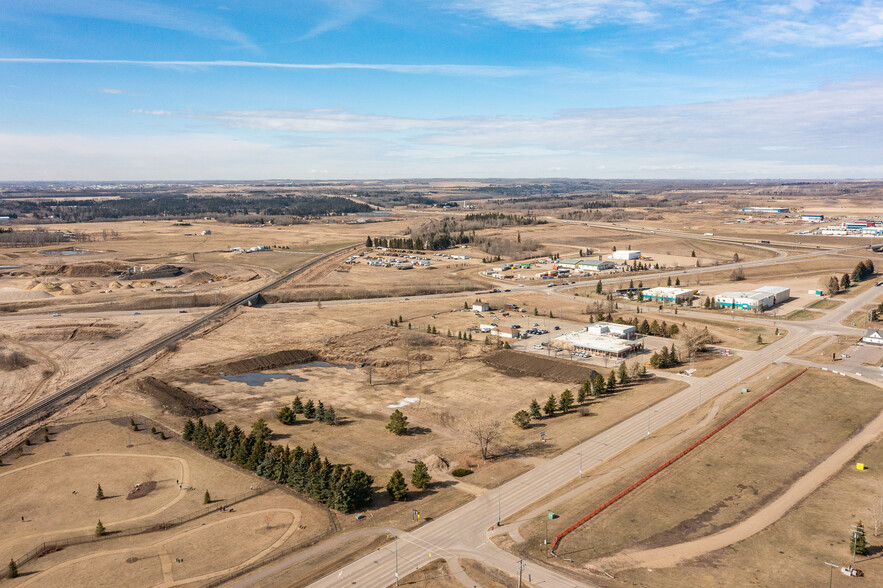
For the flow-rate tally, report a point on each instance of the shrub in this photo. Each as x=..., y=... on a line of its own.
x=460, y=472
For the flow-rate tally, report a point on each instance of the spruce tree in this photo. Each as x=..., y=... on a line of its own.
x=583, y=392
x=309, y=409
x=330, y=416
x=99, y=494
x=566, y=401
x=611, y=382
x=551, y=406
x=623, y=374
x=13, y=570
x=521, y=419
x=398, y=423
x=207, y=498
x=188, y=430
x=534, y=410
x=858, y=543
x=99, y=529
x=420, y=478
x=598, y=287
x=297, y=406
x=396, y=487
x=320, y=412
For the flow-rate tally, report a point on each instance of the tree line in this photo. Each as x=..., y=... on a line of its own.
x=334, y=485
x=287, y=415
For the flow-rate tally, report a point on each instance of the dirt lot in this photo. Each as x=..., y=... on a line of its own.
x=767, y=460
x=436, y=574
x=80, y=457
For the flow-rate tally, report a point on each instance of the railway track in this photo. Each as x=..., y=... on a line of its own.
x=46, y=406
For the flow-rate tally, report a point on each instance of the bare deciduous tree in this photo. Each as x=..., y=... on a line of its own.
x=482, y=431
x=694, y=339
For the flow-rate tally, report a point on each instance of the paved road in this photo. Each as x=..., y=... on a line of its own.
x=464, y=531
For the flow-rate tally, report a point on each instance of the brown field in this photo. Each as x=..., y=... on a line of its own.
x=63, y=476
x=823, y=349
x=696, y=502
x=434, y=574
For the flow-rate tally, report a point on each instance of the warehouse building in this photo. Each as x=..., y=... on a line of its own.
x=668, y=294
x=759, y=299
x=605, y=345
x=626, y=255
x=812, y=218
x=612, y=329
x=570, y=264
x=595, y=265
x=763, y=209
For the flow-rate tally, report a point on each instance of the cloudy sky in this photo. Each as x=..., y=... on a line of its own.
x=334, y=89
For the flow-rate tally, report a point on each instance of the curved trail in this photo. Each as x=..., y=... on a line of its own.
x=674, y=554
x=185, y=482
x=168, y=579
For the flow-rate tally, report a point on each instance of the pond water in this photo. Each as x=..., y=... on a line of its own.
x=66, y=252
x=261, y=378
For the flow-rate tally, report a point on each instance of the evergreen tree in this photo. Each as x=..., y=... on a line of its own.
x=420, y=478
x=551, y=406
x=623, y=374
x=398, y=423
x=534, y=409
x=368, y=242
x=566, y=401
x=188, y=430
x=99, y=494
x=297, y=406
x=330, y=416
x=286, y=416
x=320, y=412
x=858, y=543
x=521, y=419
x=99, y=529
x=677, y=281
x=669, y=281
x=207, y=498
x=359, y=489
x=707, y=302
x=584, y=390
x=759, y=340
x=611, y=382
x=599, y=388
x=396, y=487
x=13, y=570
x=309, y=409
x=598, y=287
x=260, y=430
x=844, y=282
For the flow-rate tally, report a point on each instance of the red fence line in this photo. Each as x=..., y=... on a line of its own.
x=671, y=461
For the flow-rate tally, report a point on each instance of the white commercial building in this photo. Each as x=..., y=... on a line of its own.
x=612, y=329
x=668, y=294
x=595, y=265
x=478, y=306
x=605, y=345
x=626, y=255
x=759, y=299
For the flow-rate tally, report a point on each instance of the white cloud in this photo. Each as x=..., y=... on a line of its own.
x=448, y=69
x=139, y=12
x=821, y=25
x=111, y=91
x=553, y=13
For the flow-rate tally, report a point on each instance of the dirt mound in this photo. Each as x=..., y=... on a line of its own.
x=357, y=347
x=12, y=294
x=260, y=362
x=90, y=269
x=436, y=463
x=141, y=490
x=516, y=363
x=176, y=400
x=196, y=277
x=160, y=271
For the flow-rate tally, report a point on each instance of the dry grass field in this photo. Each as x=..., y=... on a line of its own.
x=63, y=475
x=727, y=478
x=436, y=574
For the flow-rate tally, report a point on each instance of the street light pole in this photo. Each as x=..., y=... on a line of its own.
x=499, y=497
x=579, y=446
x=831, y=579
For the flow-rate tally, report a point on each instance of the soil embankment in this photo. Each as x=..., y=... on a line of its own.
x=176, y=400
x=259, y=363
x=516, y=363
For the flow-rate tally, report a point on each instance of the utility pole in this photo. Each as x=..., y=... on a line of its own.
x=499, y=496
x=831, y=579
x=521, y=565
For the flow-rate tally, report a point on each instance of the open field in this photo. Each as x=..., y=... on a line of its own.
x=79, y=457
x=697, y=503
x=434, y=574
x=794, y=549
x=823, y=349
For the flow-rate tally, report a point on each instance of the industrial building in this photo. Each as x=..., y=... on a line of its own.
x=568, y=263
x=595, y=265
x=759, y=299
x=625, y=255
x=812, y=218
x=668, y=294
x=479, y=306
x=601, y=339
x=506, y=332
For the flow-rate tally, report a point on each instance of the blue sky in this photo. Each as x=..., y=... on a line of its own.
x=336, y=89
